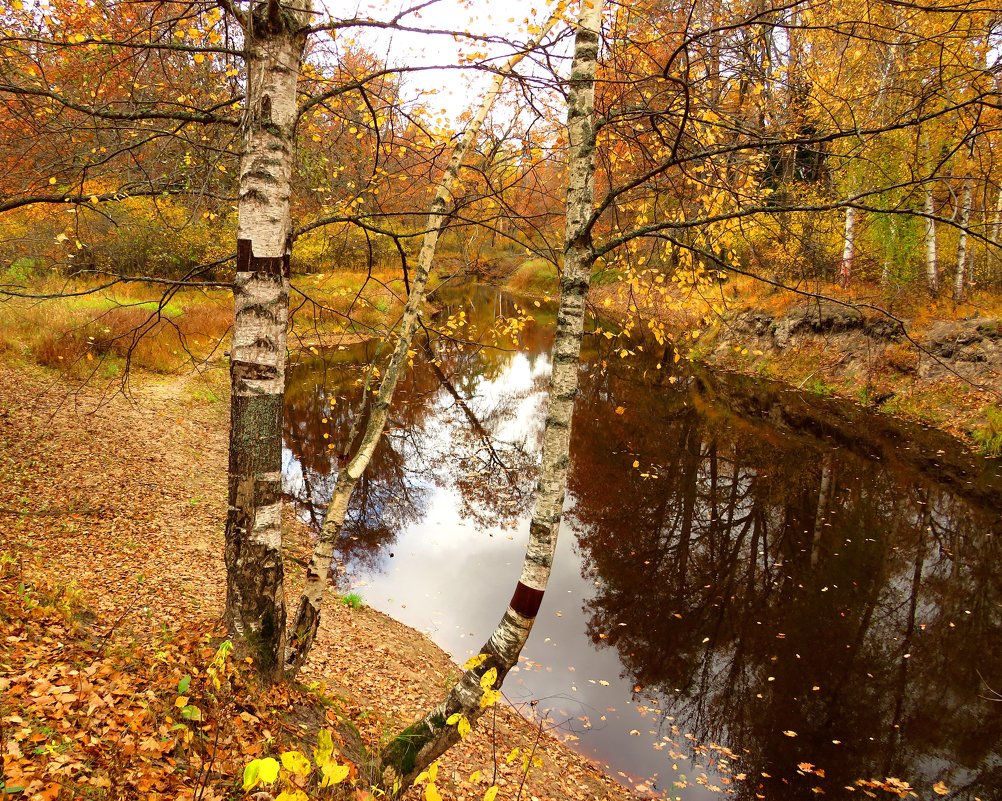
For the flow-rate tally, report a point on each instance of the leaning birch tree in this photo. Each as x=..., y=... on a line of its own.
x=275, y=38
x=420, y=744
x=307, y=620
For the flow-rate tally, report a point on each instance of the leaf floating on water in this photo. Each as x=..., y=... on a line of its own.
x=789, y=733
x=620, y=409
x=940, y=789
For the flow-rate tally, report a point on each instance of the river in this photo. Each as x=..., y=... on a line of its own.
x=757, y=592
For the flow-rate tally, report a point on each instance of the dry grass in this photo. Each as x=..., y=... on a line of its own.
x=134, y=325
x=108, y=329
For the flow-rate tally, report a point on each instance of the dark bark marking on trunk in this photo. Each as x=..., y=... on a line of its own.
x=526, y=600
x=247, y=262
x=249, y=371
x=267, y=492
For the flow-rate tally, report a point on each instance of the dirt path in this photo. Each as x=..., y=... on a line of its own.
x=125, y=496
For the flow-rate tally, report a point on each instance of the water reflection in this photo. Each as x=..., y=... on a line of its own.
x=808, y=590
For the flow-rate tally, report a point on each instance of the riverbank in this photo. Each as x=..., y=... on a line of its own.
x=113, y=510
x=936, y=364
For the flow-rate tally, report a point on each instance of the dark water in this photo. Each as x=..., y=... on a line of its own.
x=751, y=581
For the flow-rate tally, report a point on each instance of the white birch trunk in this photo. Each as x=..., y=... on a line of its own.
x=931, y=267
x=848, y=249
x=960, y=276
x=255, y=603
x=307, y=620
x=997, y=221
x=423, y=742
x=822, y=510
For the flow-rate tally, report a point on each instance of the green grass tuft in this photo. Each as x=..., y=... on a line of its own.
x=989, y=436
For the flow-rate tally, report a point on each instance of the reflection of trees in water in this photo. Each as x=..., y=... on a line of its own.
x=757, y=582
x=393, y=491
x=439, y=434
x=493, y=476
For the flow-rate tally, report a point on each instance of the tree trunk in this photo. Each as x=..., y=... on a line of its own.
x=965, y=220
x=307, y=620
x=997, y=219
x=423, y=742
x=931, y=268
x=822, y=509
x=255, y=602
x=845, y=270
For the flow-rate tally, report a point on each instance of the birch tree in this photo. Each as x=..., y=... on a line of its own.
x=424, y=741
x=931, y=263
x=960, y=276
x=307, y=619
x=255, y=604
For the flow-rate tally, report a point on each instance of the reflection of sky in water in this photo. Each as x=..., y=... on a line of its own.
x=452, y=579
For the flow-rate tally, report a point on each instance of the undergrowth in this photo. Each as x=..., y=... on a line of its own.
x=91, y=709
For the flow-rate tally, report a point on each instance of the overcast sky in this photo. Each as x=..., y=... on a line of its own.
x=449, y=89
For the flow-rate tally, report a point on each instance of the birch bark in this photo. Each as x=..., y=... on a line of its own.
x=307, y=620
x=848, y=249
x=423, y=742
x=931, y=267
x=255, y=604
x=960, y=276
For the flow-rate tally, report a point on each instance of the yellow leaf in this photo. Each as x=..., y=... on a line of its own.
x=790, y=733
x=333, y=774
x=296, y=762
x=260, y=771
x=491, y=793
x=475, y=661
x=464, y=727
x=489, y=698
x=488, y=679
x=325, y=748
x=94, y=199
x=182, y=701
x=940, y=789
x=295, y=795
x=269, y=770
x=252, y=775
x=52, y=180
x=475, y=776
x=431, y=793
x=620, y=409
x=636, y=463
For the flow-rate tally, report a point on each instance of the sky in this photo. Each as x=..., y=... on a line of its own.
x=448, y=90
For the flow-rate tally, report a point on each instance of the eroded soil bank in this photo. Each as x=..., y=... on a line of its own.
x=122, y=499
x=945, y=373
x=940, y=372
